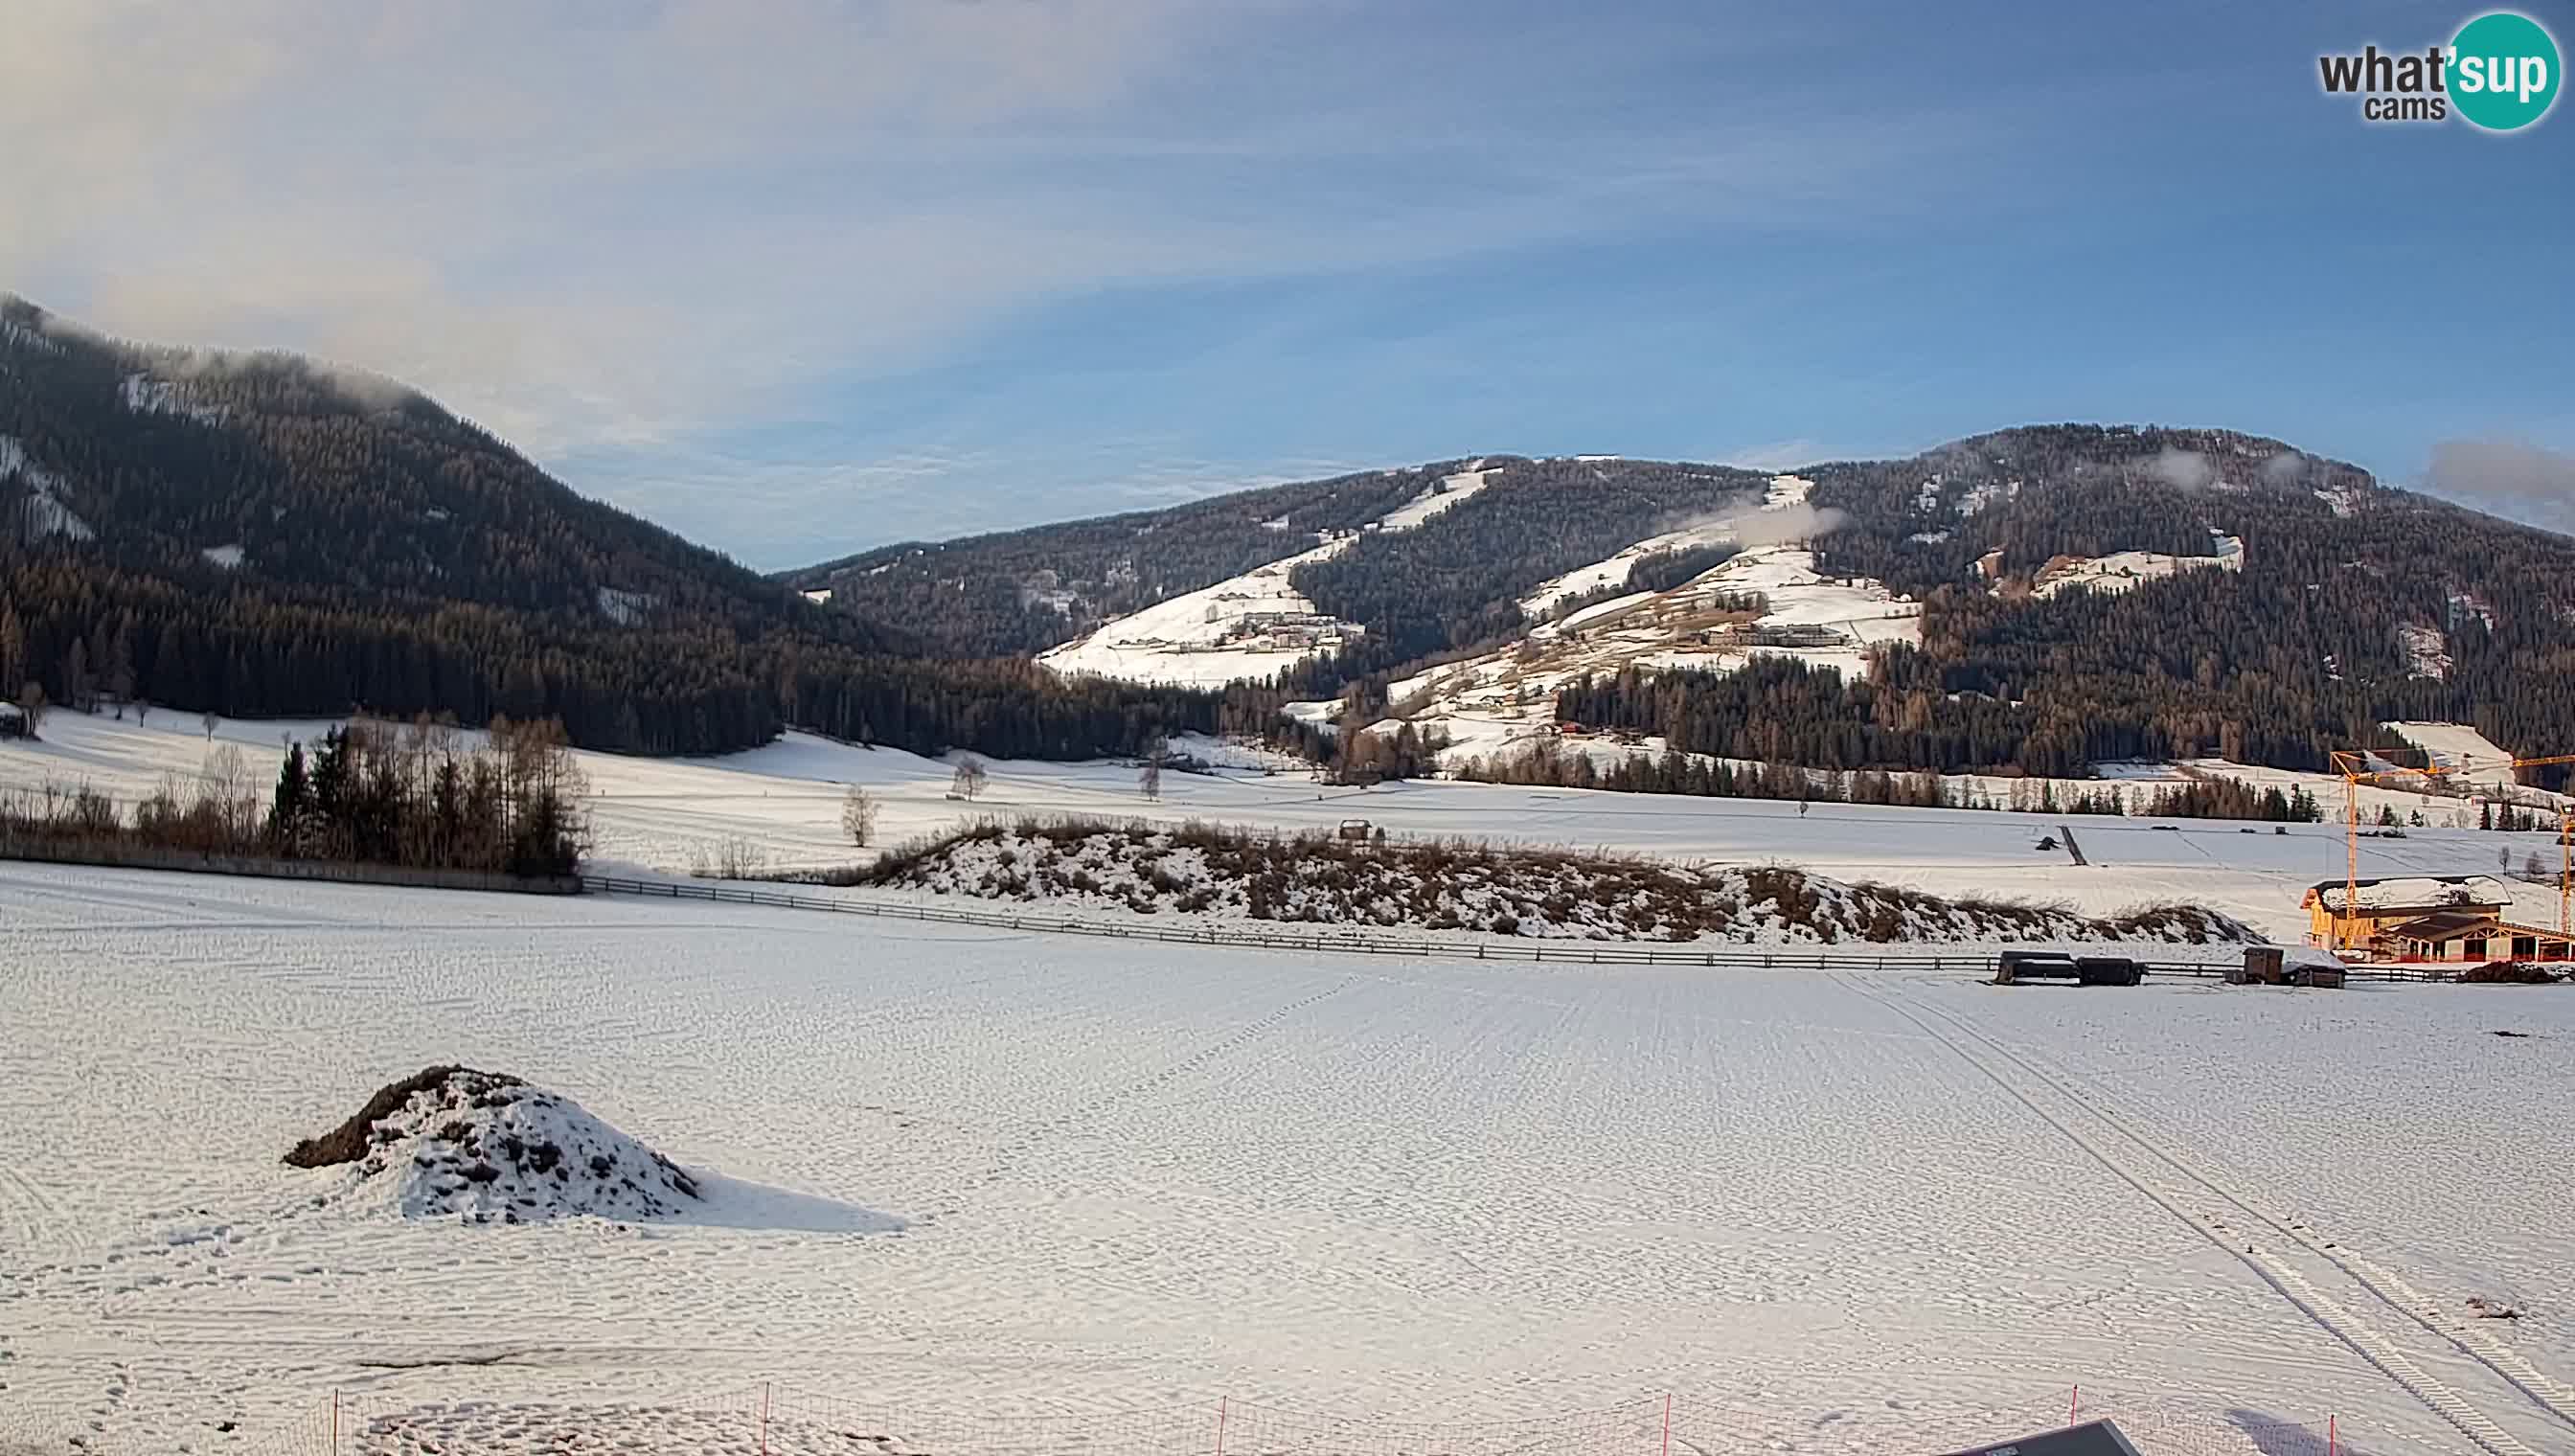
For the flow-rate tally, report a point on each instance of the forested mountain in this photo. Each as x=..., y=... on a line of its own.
x=2355, y=603
x=258, y=535
x=261, y=536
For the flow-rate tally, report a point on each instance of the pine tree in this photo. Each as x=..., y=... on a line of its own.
x=13, y=644
x=291, y=808
x=76, y=681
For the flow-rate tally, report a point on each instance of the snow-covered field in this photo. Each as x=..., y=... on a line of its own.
x=1028, y=1176
x=2122, y=570
x=784, y=801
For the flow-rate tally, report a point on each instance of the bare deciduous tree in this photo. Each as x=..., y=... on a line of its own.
x=858, y=811
x=969, y=779
x=209, y=722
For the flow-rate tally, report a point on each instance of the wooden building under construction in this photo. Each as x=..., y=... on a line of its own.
x=2429, y=917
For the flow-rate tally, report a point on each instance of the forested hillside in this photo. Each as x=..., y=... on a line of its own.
x=1457, y=580
x=2346, y=603
x=2357, y=604
x=1023, y=592
x=260, y=536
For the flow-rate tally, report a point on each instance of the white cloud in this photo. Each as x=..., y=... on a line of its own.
x=614, y=231
x=2183, y=470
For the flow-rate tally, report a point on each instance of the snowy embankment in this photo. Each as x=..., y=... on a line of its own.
x=1195, y=870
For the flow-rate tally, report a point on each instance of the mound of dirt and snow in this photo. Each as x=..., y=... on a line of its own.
x=456, y=1142
x=1243, y=874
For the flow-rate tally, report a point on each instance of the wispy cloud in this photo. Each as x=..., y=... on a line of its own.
x=2507, y=476
x=2183, y=470
x=1776, y=454
x=620, y=233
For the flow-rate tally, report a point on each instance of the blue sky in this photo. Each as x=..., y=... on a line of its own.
x=804, y=277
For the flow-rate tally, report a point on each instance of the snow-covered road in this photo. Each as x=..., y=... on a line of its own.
x=1129, y=1176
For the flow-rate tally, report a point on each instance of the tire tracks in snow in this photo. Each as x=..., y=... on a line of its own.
x=2350, y=1326
x=28, y=1215
x=2543, y=1390
x=1035, y=1135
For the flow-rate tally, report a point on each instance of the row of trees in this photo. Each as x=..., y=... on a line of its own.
x=421, y=795
x=1550, y=764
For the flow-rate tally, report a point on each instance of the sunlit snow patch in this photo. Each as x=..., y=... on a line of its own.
x=1450, y=491
x=625, y=608
x=148, y=396
x=44, y=514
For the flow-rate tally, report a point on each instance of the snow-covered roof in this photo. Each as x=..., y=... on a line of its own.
x=2423, y=891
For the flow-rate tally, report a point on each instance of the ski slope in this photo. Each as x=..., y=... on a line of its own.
x=1246, y=627
x=1207, y=637
x=1014, y=1175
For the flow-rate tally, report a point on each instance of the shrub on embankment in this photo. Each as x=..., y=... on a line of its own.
x=1451, y=884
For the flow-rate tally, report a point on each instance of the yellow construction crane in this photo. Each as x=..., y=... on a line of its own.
x=2354, y=767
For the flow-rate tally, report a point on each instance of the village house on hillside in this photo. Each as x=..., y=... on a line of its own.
x=2428, y=918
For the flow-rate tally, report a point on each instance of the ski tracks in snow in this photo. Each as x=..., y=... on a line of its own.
x=2285, y=1251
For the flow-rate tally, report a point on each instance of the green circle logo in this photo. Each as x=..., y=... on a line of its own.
x=2503, y=71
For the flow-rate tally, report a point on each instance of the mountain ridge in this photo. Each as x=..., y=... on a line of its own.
x=260, y=534
x=2051, y=564
x=266, y=536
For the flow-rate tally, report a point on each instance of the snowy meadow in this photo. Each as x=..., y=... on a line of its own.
x=957, y=1170
x=781, y=806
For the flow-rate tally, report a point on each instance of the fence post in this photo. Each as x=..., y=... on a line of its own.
x=764, y=1418
x=2073, y=1403
x=1220, y=1402
x=335, y=1422
x=1668, y=1423
x=2333, y=1438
